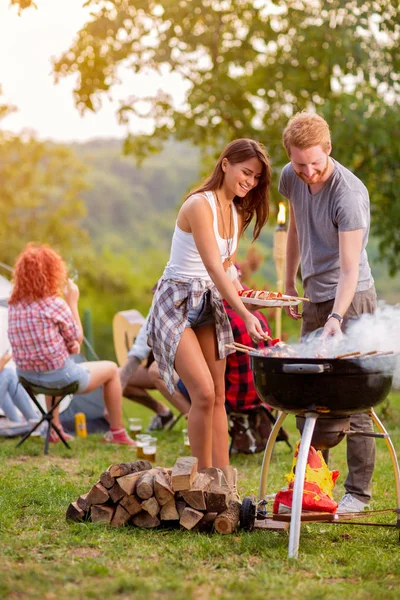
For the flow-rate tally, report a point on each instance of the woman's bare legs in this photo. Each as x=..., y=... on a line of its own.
x=220, y=435
x=105, y=373
x=197, y=364
x=176, y=399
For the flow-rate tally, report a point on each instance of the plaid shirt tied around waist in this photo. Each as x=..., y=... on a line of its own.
x=168, y=317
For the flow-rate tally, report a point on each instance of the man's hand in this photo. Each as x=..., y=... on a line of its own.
x=292, y=311
x=332, y=329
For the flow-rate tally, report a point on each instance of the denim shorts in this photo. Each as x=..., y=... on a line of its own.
x=202, y=314
x=60, y=378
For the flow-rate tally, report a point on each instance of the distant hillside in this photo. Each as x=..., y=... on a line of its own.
x=135, y=206
x=132, y=209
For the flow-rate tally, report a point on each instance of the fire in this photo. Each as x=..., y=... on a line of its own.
x=281, y=214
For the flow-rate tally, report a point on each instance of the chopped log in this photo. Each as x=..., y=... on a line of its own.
x=97, y=495
x=145, y=485
x=190, y=518
x=121, y=517
x=75, y=513
x=217, y=500
x=131, y=504
x=180, y=507
x=228, y=521
x=126, y=468
x=107, y=480
x=101, y=514
x=82, y=502
x=162, y=487
x=169, y=511
x=183, y=473
x=151, y=506
x=128, y=482
x=146, y=521
x=207, y=522
x=116, y=493
x=196, y=497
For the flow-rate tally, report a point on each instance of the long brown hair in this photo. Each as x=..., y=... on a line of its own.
x=39, y=272
x=256, y=201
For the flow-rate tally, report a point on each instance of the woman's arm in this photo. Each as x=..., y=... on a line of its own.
x=71, y=295
x=198, y=215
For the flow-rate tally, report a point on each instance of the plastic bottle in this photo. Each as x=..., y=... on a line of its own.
x=80, y=425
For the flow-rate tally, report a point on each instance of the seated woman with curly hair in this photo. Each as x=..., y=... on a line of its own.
x=45, y=328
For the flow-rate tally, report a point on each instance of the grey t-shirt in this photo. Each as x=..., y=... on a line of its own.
x=341, y=205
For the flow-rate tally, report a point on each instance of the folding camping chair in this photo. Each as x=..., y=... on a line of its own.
x=57, y=395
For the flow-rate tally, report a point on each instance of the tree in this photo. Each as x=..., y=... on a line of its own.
x=39, y=196
x=248, y=66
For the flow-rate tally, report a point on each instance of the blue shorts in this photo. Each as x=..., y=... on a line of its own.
x=202, y=314
x=60, y=378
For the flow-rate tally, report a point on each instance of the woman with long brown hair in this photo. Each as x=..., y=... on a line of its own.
x=188, y=327
x=45, y=328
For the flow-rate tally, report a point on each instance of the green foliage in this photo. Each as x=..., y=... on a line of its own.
x=248, y=66
x=40, y=196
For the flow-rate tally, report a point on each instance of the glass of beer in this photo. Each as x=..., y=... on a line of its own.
x=186, y=441
x=150, y=449
x=141, y=440
x=135, y=426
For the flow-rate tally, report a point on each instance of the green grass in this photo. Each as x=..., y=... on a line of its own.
x=43, y=556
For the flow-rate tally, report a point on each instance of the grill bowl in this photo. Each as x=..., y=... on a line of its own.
x=330, y=386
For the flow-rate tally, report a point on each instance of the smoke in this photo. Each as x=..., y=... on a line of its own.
x=378, y=332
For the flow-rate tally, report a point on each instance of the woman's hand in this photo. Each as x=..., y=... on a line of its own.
x=74, y=347
x=254, y=328
x=71, y=292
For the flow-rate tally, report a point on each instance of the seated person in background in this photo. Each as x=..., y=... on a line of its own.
x=136, y=378
x=240, y=393
x=13, y=395
x=45, y=328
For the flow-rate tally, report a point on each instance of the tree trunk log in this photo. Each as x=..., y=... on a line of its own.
x=101, y=514
x=131, y=504
x=162, y=487
x=146, y=521
x=145, y=485
x=126, y=468
x=169, y=511
x=190, y=518
x=228, y=521
x=75, y=513
x=183, y=473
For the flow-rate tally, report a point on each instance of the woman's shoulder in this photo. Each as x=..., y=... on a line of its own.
x=197, y=202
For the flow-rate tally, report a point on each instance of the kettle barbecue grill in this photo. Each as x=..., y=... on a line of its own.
x=324, y=389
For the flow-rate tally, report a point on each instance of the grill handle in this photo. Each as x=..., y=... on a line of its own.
x=307, y=369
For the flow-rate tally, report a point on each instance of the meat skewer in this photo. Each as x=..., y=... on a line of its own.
x=348, y=354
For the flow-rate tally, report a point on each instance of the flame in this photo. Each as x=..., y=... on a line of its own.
x=281, y=214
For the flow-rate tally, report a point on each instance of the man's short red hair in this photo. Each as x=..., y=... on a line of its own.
x=39, y=272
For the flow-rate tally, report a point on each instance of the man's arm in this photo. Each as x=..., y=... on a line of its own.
x=292, y=263
x=350, y=245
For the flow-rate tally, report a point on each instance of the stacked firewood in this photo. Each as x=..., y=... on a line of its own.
x=138, y=494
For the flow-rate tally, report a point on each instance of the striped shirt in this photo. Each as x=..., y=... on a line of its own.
x=39, y=332
x=168, y=317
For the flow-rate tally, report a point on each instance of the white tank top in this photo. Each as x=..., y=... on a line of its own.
x=185, y=260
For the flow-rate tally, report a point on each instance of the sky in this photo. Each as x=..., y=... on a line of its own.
x=27, y=44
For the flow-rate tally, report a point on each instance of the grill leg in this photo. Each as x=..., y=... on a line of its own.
x=268, y=453
x=295, y=520
x=393, y=456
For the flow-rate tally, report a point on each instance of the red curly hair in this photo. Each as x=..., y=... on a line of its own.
x=39, y=272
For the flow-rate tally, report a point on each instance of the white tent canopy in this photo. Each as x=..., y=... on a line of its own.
x=5, y=290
